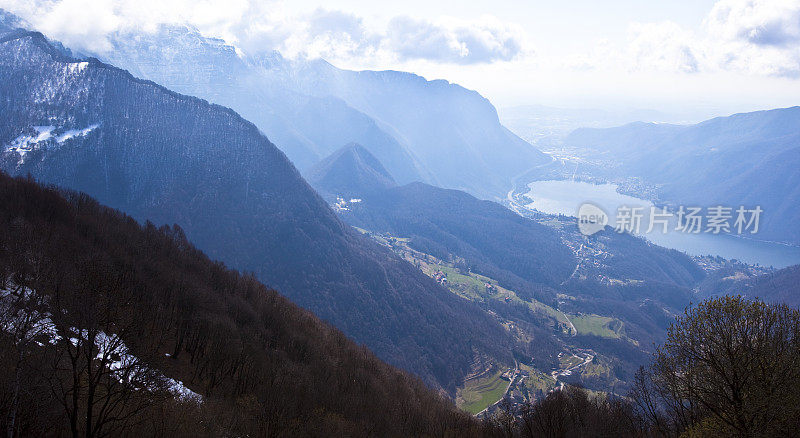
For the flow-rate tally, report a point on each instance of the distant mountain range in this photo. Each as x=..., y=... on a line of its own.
x=746, y=160
x=169, y=158
x=546, y=127
x=430, y=131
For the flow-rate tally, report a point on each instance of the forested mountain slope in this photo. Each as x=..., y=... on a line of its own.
x=169, y=158
x=538, y=274
x=131, y=311
x=779, y=287
x=485, y=233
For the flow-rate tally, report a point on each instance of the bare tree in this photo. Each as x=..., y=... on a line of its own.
x=25, y=321
x=729, y=366
x=101, y=385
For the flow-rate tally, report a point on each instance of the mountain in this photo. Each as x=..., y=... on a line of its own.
x=453, y=131
x=430, y=131
x=165, y=157
x=155, y=317
x=350, y=172
x=488, y=235
x=9, y=22
x=560, y=292
x=747, y=159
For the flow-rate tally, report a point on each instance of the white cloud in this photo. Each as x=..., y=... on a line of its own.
x=751, y=37
x=454, y=41
x=758, y=22
x=77, y=21
x=663, y=46
x=336, y=35
x=257, y=26
x=755, y=36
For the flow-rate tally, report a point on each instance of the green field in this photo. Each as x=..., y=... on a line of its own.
x=537, y=380
x=473, y=287
x=469, y=285
x=480, y=393
x=602, y=326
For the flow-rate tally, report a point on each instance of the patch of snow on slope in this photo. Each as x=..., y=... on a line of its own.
x=128, y=367
x=29, y=142
x=71, y=133
x=26, y=143
x=20, y=317
x=180, y=390
x=77, y=67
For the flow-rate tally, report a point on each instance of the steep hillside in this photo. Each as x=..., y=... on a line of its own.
x=350, y=172
x=781, y=286
x=746, y=159
x=154, y=316
x=158, y=155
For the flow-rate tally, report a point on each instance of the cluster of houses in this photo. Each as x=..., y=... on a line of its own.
x=342, y=204
x=440, y=277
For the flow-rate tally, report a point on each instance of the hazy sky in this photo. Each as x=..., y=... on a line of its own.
x=727, y=55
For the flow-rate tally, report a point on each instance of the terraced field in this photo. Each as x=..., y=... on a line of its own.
x=481, y=392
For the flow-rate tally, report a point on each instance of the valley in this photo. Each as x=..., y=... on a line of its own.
x=525, y=378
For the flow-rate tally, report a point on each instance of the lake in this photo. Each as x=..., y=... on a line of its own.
x=564, y=197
